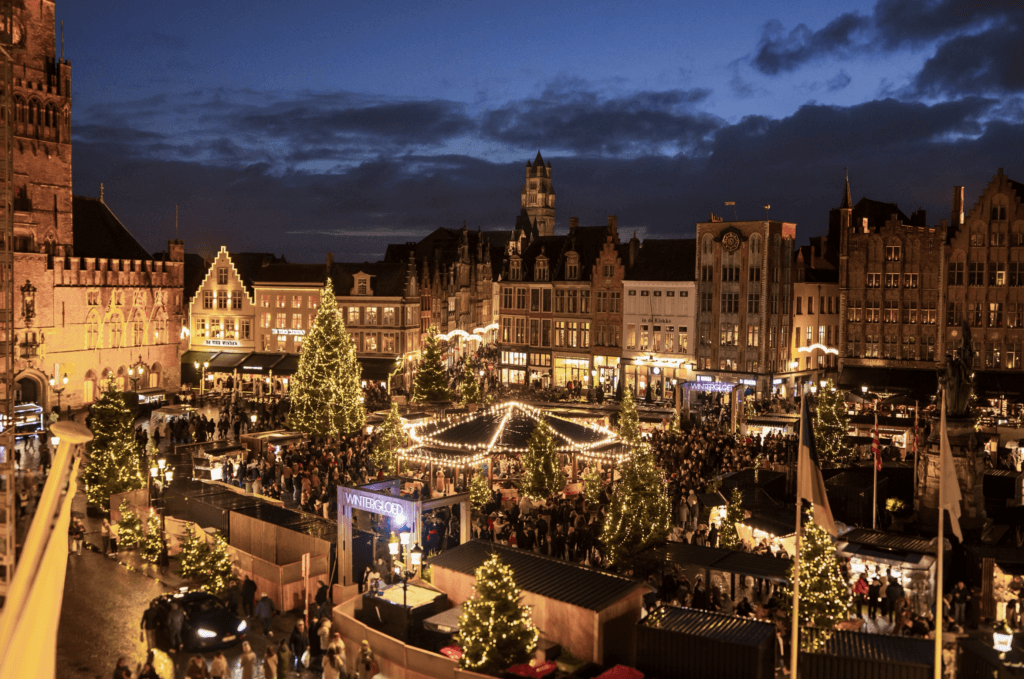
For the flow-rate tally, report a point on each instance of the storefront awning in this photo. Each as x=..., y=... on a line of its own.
x=377, y=368
x=200, y=357
x=259, y=364
x=920, y=384
x=289, y=365
x=225, y=362
x=998, y=384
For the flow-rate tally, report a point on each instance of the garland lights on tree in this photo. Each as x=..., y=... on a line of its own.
x=115, y=459
x=431, y=383
x=218, y=570
x=390, y=438
x=469, y=387
x=152, y=543
x=326, y=396
x=824, y=596
x=729, y=536
x=193, y=554
x=639, y=514
x=479, y=490
x=495, y=630
x=592, y=485
x=129, y=528
x=542, y=477
x=830, y=426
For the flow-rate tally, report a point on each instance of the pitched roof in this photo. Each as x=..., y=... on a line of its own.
x=292, y=273
x=387, y=278
x=194, y=272
x=665, y=260
x=98, y=233
x=876, y=212
x=714, y=626
x=881, y=648
x=555, y=579
x=248, y=265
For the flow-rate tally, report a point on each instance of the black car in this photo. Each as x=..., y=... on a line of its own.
x=209, y=624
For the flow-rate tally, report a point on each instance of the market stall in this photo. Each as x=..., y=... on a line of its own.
x=776, y=530
x=208, y=459
x=994, y=567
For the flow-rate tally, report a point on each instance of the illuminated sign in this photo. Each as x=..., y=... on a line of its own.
x=749, y=383
x=378, y=504
x=222, y=343
x=286, y=331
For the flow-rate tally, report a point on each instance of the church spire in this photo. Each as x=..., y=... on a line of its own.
x=847, y=199
x=538, y=197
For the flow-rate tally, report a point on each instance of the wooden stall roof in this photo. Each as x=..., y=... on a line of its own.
x=708, y=625
x=889, y=541
x=553, y=578
x=882, y=648
x=715, y=558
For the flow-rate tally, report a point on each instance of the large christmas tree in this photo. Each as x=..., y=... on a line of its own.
x=469, y=387
x=824, y=596
x=390, y=438
x=831, y=424
x=129, y=528
x=151, y=544
x=192, y=557
x=592, y=485
x=479, y=490
x=431, y=382
x=542, y=476
x=115, y=459
x=728, y=536
x=495, y=630
x=640, y=510
x=326, y=397
x=218, y=568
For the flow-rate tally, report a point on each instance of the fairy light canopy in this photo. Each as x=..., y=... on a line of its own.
x=505, y=429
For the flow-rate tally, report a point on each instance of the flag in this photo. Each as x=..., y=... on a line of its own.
x=949, y=486
x=914, y=449
x=876, y=446
x=810, y=485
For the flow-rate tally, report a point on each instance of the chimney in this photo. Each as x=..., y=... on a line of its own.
x=101, y=192
x=330, y=262
x=957, y=214
x=573, y=223
x=176, y=250
x=613, y=225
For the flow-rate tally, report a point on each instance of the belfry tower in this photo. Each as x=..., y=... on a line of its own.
x=538, y=197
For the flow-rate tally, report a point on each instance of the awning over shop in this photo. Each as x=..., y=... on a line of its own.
x=377, y=368
x=259, y=364
x=225, y=362
x=996, y=384
x=289, y=365
x=921, y=384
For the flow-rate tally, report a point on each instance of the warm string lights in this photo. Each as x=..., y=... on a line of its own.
x=495, y=630
x=542, y=477
x=210, y=564
x=431, y=383
x=115, y=459
x=152, y=543
x=390, y=438
x=129, y=528
x=729, y=536
x=830, y=426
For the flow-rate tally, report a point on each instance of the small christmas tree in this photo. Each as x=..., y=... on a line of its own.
x=431, y=383
x=831, y=424
x=729, y=536
x=479, y=490
x=192, y=558
x=390, y=439
x=542, y=476
x=326, y=396
x=639, y=514
x=824, y=596
x=151, y=544
x=115, y=461
x=592, y=485
x=469, y=388
x=129, y=528
x=218, y=568
x=495, y=630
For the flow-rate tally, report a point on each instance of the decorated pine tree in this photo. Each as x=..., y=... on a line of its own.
x=824, y=596
x=390, y=439
x=495, y=630
x=151, y=544
x=129, y=528
x=218, y=567
x=639, y=513
x=326, y=396
x=542, y=477
x=479, y=490
x=431, y=383
x=469, y=387
x=729, y=536
x=592, y=485
x=192, y=558
x=831, y=424
x=115, y=460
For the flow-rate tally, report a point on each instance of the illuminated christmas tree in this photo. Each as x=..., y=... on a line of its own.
x=431, y=382
x=192, y=557
x=115, y=459
x=469, y=388
x=390, y=439
x=129, y=528
x=151, y=544
x=729, y=536
x=824, y=596
x=326, y=396
x=542, y=477
x=495, y=630
x=479, y=490
x=592, y=485
x=639, y=513
x=831, y=424
x=218, y=567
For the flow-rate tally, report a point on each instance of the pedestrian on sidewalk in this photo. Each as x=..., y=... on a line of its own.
x=197, y=668
x=149, y=623
x=247, y=661
x=265, y=612
x=105, y=533
x=115, y=534
x=219, y=666
x=248, y=596
x=175, y=622
x=77, y=534
x=270, y=663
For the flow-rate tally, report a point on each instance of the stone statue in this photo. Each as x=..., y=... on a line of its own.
x=958, y=378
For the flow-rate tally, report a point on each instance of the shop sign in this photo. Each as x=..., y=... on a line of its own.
x=749, y=383
x=704, y=378
x=372, y=502
x=222, y=343
x=777, y=382
x=657, y=319
x=286, y=331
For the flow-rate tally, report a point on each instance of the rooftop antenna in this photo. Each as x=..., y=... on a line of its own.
x=733, y=203
x=62, y=40
x=766, y=208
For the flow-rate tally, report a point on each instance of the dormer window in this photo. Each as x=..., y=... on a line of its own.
x=361, y=286
x=516, y=269
x=572, y=267
x=541, y=270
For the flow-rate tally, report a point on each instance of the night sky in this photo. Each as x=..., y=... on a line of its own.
x=309, y=127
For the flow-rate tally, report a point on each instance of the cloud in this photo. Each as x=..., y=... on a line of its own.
x=838, y=82
x=778, y=51
x=976, y=64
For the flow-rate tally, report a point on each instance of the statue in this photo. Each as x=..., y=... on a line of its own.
x=958, y=379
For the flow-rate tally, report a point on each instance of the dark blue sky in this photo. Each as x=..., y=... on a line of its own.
x=308, y=127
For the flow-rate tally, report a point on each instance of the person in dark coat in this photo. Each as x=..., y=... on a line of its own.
x=298, y=642
x=175, y=623
x=248, y=595
x=874, y=592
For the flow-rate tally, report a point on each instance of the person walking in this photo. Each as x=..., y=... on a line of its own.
x=270, y=664
x=874, y=592
x=115, y=535
x=175, y=622
x=367, y=662
x=197, y=669
x=298, y=642
x=961, y=595
x=149, y=623
x=265, y=612
x=247, y=661
x=105, y=534
x=219, y=666
x=334, y=665
x=248, y=596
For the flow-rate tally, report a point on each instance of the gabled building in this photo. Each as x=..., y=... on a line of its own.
x=817, y=321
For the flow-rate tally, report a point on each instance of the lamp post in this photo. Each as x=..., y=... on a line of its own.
x=135, y=373
x=63, y=384
x=1002, y=639
x=202, y=374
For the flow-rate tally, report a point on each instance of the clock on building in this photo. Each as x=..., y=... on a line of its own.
x=731, y=242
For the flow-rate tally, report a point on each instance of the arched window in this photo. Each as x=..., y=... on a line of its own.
x=89, y=387
x=755, y=244
x=706, y=246
x=155, y=375
x=19, y=110
x=159, y=326
x=50, y=119
x=33, y=112
x=92, y=330
x=136, y=327
x=116, y=323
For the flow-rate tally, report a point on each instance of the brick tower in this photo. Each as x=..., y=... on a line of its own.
x=538, y=197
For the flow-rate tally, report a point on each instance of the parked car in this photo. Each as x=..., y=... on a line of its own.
x=209, y=624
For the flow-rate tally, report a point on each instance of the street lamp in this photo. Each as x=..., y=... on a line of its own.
x=202, y=374
x=59, y=389
x=135, y=373
x=1002, y=639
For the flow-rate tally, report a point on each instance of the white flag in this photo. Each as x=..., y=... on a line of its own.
x=948, y=484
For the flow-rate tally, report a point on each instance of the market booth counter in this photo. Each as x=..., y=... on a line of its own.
x=208, y=459
x=723, y=567
x=400, y=613
x=685, y=643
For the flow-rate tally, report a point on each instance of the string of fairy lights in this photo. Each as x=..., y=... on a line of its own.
x=428, y=446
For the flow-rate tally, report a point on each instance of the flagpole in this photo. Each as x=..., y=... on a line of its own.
x=794, y=635
x=940, y=552
x=875, y=445
x=917, y=444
